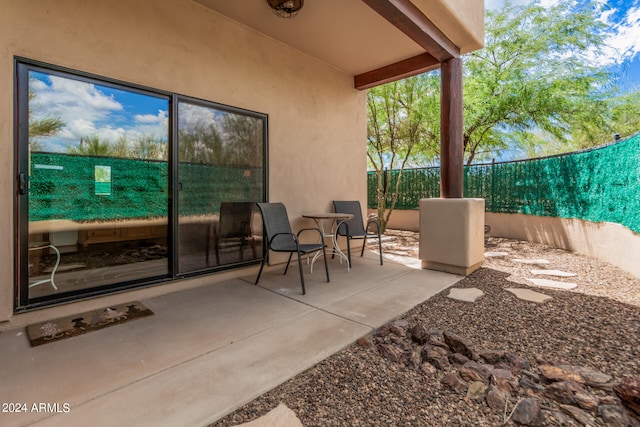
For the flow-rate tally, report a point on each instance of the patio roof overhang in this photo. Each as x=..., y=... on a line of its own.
x=380, y=41
x=376, y=41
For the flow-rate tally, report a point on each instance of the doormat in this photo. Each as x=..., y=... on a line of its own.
x=78, y=324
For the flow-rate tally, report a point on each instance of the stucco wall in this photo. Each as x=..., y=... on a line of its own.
x=448, y=16
x=317, y=121
x=607, y=241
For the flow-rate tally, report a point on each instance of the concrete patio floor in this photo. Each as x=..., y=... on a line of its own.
x=206, y=351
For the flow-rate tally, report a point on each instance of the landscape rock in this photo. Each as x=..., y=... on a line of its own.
x=412, y=359
x=579, y=415
x=419, y=333
x=591, y=377
x=399, y=328
x=614, y=415
x=474, y=371
x=528, y=412
x=530, y=386
x=427, y=369
x=459, y=345
x=455, y=382
x=504, y=380
x=391, y=352
x=437, y=356
x=496, y=399
x=436, y=338
x=629, y=393
x=457, y=359
x=557, y=373
x=515, y=361
x=586, y=400
x=563, y=391
x=476, y=390
x=585, y=396
x=493, y=357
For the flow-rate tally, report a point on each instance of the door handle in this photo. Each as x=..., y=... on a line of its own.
x=22, y=184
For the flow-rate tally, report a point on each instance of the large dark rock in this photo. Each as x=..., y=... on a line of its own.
x=579, y=415
x=614, y=415
x=420, y=333
x=629, y=392
x=493, y=357
x=458, y=359
x=392, y=352
x=437, y=356
x=474, y=371
x=455, y=382
x=496, y=399
x=427, y=369
x=504, y=380
x=528, y=412
x=563, y=391
x=459, y=345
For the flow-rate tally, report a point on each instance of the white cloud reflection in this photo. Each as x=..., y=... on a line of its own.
x=88, y=110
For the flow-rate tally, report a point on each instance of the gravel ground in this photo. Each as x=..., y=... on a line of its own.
x=596, y=324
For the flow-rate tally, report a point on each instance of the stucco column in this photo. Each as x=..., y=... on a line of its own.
x=452, y=227
x=452, y=235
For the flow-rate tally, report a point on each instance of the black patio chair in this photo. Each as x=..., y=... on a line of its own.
x=280, y=238
x=354, y=228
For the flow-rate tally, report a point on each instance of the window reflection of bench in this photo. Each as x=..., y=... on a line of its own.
x=120, y=234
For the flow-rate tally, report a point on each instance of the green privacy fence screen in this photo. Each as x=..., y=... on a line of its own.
x=86, y=188
x=599, y=185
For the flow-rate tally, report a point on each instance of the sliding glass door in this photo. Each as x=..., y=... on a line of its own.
x=221, y=177
x=119, y=186
x=92, y=184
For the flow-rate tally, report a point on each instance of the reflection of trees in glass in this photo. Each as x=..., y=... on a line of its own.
x=217, y=137
x=149, y=147
x=243, y=143
x=146, y=147
x=91, y=146
x=41, y=128
x=200, y=144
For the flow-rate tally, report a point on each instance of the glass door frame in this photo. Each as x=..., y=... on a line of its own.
x=22, y=66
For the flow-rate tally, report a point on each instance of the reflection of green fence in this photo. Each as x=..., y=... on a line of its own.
x=597, y=185
x=63, y=186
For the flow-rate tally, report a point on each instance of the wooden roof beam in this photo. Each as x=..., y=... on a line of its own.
x=399, y=70
x=405, y=16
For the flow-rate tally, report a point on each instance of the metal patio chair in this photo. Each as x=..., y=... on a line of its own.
x=280, y=238
x=354, y=229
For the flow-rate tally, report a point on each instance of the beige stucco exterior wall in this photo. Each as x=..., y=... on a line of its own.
x=317, y=121
x=462, y=21
x=610, y=242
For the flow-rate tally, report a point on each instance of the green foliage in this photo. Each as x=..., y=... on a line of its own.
x=533, y=81
x=599, y=185
x=534, y=87
x=143, y=147
x=91, y=146
x=41, y=128
x=400, y=119
x=139, y=188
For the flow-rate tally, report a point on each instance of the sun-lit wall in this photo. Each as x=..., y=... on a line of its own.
x=317, y=120
x=462, y=21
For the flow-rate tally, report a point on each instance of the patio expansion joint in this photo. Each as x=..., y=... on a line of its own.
x=323, y=309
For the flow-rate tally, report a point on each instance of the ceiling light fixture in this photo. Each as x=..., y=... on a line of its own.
x=286, y=8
